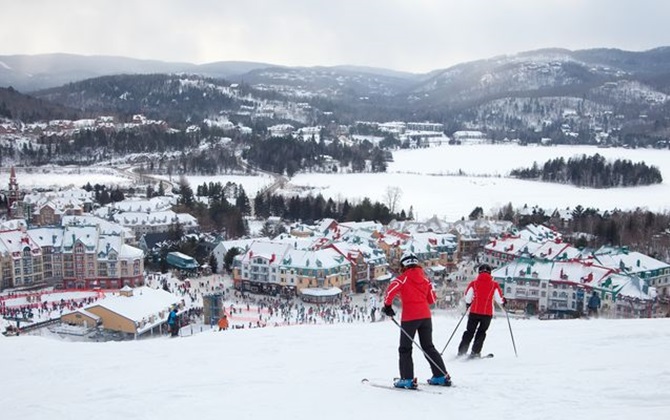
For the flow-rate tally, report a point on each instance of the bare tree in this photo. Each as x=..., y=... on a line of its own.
x=392, y=198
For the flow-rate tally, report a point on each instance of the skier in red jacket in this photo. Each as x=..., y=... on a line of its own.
x=479, y=297
x=416, y=294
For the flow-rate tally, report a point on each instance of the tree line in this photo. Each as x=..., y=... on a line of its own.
x=312, y=208
x=287, y=155
x=592, y=171
x=223, y=210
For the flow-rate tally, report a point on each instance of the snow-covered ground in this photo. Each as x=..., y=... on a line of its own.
x=577, y=369
x=428, y=184
x=60, y=177
x=425, y=178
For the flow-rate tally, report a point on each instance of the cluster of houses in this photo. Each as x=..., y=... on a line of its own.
x=73, y=255
x=61, y=128
x=321, y=262
x=60, y=238
x=541, y=273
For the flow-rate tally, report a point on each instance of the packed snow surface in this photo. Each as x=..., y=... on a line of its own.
x=576, y=369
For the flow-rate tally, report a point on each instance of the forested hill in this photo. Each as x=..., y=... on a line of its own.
x=593, y=171
x=17, y=106
x=170, y=97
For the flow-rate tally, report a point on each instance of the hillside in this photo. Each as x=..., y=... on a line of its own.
x=162, y=96
x=29, y=73
x=580, y=369
x=586, y=96
x=17, y=106
x=550, y=72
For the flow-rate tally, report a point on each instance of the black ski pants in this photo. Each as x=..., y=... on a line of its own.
x=477, y=326
x=425, y=329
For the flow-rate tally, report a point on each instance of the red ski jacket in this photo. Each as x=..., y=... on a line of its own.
x=480, y=294
x=416, y=293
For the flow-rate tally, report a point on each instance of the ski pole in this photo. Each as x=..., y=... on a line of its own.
x=419, y=347
x=455, y=329
x=510, y=332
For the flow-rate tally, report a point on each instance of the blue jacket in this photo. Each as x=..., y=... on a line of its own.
x=172, y=318
x=594, y=302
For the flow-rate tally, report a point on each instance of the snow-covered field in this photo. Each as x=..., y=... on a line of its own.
x=62, y=177
x=426, y=179
x=577, y=369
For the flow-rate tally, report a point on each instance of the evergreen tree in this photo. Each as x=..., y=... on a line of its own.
x=229, y=257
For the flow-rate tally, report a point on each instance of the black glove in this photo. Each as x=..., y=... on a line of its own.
x=467, y=305
x=388, y=310
x=504, y=302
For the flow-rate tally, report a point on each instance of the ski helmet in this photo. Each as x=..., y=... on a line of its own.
x=485, y=268
x=408, y=258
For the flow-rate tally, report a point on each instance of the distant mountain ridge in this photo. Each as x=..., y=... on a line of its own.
x=548, y=93
x=548, y=72
x=28, y=73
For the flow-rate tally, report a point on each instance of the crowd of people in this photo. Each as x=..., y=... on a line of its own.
x=245, y=310
x=40, y=306
x=242, y=310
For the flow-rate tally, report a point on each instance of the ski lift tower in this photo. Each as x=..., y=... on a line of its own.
x=212, y=306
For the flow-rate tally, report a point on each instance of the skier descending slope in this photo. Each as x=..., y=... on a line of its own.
x=416, y=294
x=479, y=297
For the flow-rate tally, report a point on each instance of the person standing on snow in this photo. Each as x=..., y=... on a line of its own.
x=416, y=294
x=173, y=322
x=593, y=304
x=479, y=297
x=223, y=323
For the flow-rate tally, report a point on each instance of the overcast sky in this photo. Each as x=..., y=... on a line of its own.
x=409, y=35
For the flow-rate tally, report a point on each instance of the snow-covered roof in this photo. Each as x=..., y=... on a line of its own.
x=85, y=313
x=15, y=241
x=47, y=236
x=584, y=273
x=105, y=226
x=332, y=291
x=241, y=244
x=88, y=235
x=513, y=245
x=630, y=261
x=538, y=233
x=74, y=196
x=154, y=204
x=322, y=258
x=167, y=217
x=13, y=224
x=297, y=242
x=144, y=303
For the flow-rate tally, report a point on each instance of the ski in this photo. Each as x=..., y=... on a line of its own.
x=376, y=384
x=484, y=356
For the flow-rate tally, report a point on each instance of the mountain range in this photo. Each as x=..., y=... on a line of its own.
x=524, y=91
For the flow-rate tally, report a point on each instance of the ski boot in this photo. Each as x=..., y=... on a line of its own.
x=405, y=383
x=440, y=380
x=475, y=356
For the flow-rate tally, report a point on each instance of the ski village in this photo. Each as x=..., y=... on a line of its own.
x=74, y=269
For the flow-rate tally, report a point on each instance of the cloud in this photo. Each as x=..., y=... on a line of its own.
x=415, y=35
